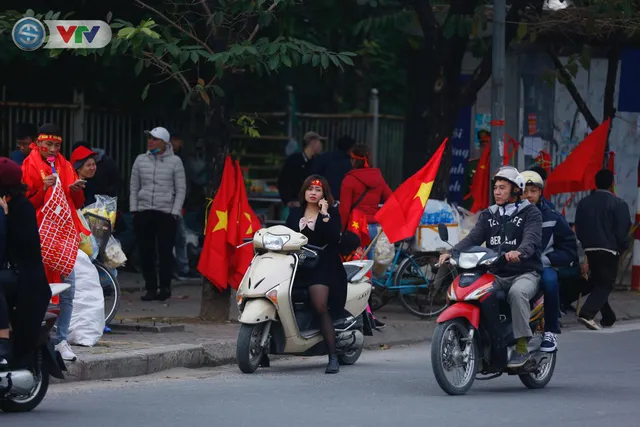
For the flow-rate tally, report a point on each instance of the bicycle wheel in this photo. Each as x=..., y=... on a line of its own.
x=111, y=290
x=416, y=286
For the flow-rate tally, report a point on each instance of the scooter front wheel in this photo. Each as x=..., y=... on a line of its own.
x=452, y=353
x=248, y=349
x=29, y=402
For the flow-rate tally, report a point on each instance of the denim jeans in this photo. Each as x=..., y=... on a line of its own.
x=66, y=308
x=550, y=286
x=180, y=247
x=373, y=232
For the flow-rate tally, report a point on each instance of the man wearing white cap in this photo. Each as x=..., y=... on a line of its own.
x=158, y=189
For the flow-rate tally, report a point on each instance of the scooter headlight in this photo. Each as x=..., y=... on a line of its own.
x=469, y=260
x=273, y=242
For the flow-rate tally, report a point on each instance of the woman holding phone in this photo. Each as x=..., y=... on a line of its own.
x=317, y=219
x=84, y=162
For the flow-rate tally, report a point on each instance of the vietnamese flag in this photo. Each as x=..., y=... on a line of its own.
x=214, y=257
x=243, y=223
x=401, y=213
x=480, y=182
x=357, y=224
x=578, y=171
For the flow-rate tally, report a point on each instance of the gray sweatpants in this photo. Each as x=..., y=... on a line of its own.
x=520, y=290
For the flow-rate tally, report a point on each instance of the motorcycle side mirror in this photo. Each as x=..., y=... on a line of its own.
x=510, y=230
x=443, y=232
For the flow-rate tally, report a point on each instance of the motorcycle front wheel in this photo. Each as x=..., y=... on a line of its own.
x=248, y=350
x=29, y=402
x=450, y=354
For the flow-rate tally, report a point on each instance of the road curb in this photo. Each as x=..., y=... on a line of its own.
x=216, y=353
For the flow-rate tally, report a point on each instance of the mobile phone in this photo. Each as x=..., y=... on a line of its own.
x=80, y=181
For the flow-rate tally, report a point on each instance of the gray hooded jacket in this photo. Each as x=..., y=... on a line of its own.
x=158, y=183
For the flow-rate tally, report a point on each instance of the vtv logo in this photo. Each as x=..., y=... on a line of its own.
x=78, y=34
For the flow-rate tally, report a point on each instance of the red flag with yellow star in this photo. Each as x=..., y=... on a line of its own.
x=480, y=182
x=357, y=224
x=243, y=223
x=401, y=213
x=214, y=257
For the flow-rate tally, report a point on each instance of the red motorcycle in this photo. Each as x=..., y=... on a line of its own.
x=474, y=335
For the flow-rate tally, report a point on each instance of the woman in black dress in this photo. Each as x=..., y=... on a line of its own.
x=317, y=219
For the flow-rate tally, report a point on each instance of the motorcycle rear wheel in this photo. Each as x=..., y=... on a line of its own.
x=540, y=380
x=29, y=403
x=440, y=362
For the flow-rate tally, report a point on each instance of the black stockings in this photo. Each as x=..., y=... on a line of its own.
x=4, y=312
x=320, y=298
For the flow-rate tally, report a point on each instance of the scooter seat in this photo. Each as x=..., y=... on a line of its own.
x=351, y=270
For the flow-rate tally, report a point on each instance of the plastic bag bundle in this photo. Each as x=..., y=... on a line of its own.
x=101, y=218
x=87, y=319
x=114, y=256
x=384, y=252
x=105, y=206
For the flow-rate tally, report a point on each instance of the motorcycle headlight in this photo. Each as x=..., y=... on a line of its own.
x=468, y=260
x=273, y=242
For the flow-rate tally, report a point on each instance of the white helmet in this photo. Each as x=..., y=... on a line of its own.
x=533, y=178
x=511, y=174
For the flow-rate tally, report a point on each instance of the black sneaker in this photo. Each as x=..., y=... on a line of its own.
x=149, y=296
x=518, y=360
x=333, y=367
x=549, y=343
x=378, y=324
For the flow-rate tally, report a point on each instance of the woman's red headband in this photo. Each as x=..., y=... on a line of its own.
x=363, y=158
x=317, y=182
x=47, y=137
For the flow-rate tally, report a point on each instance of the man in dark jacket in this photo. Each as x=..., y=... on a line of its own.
x=335, y=164
x=603, y=222
x=297, y=168
x=521, y=275
x=559, y=249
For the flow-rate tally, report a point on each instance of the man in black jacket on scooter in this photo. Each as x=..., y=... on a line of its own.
x=521, y=275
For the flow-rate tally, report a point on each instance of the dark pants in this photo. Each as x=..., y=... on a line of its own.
x=604, y=271
x=550, y=285
x=156, y=234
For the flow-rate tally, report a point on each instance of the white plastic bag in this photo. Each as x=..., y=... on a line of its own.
x=114, y=256
x=87, y=319
x=383, y=254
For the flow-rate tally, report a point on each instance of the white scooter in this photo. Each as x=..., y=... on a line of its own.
x=277, y=318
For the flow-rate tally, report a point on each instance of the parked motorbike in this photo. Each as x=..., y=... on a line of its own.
x=24, y=384
x=474, y=333
x=278, y=318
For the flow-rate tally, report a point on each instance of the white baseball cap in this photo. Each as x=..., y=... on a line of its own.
x=160, y=133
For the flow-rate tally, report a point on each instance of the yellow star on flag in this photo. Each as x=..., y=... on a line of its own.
x=250, y=229
x=423, y=192
x=355, y=225
x=222, y=221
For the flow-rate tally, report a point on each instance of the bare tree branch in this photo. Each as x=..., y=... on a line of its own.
x=482, y=73
x=172, y=23
x=613, y=57
x=257, y=27
x=166, y=67
x=567, y=81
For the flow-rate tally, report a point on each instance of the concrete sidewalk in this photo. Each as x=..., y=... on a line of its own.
x=137, y=347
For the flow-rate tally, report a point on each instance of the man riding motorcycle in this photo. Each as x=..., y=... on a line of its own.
x=520, y=276
x=559, y=249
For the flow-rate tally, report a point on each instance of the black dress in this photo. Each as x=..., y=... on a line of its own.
x=329, y=270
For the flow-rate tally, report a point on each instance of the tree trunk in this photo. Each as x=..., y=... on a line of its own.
x=610, y=88
x=215, y=123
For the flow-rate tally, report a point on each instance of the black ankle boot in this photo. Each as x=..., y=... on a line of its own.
x=265, y=362
x=333, y=367
x=149, y=296
x=5, y=352
x=163, y=295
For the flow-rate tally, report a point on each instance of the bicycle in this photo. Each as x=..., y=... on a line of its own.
x=412, y=278
x=101, y=230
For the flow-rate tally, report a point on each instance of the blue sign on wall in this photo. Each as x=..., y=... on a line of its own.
x=460, y=145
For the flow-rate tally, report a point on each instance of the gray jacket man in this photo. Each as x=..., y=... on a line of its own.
x=157, y=193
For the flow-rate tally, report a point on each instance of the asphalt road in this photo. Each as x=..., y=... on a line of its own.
x=597, y=382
